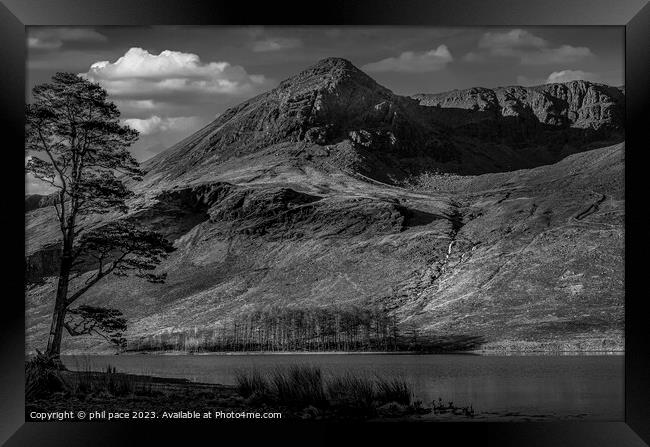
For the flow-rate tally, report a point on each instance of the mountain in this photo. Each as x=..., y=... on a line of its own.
x=331, y=113
x=334, y=116
x=330, y=191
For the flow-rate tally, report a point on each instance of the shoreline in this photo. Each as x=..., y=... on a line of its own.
x=159, y=394
x=479, y=353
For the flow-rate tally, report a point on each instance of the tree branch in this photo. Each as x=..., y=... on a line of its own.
x=85, y=288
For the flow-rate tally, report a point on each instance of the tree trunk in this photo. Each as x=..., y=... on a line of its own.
x=60, y=307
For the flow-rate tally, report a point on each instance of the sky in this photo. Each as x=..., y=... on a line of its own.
x=170, y=81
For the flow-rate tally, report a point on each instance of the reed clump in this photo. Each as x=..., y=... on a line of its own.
x=301, y=386
x=84, y=382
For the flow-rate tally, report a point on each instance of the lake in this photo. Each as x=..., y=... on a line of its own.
x=563, y=386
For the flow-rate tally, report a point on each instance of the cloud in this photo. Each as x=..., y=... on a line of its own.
x=525, y=46
x=571, y=75
x=142, y=75
x=137, y=105
x=412, y=62
x=516, y=38
x=156, y=124
x=54, y=38
x=169, y=95
x=35, y=186
x=276, y=44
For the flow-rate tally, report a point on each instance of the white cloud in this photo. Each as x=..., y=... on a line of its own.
x=169, y=95
x=412, y=62
x=276, y=44
x=140, y=74
x=571, y=75
x=53, y=38
x=527, y=47
x=156, y=124
x=516, y=38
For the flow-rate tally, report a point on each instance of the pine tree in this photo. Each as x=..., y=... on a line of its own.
x=78, y=146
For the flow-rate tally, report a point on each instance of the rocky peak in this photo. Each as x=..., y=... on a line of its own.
x=332, y=95
x=329, y=75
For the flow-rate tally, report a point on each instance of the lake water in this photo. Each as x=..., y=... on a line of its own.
x=589, y=387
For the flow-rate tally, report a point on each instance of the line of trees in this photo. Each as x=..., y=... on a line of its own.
x=282, y=328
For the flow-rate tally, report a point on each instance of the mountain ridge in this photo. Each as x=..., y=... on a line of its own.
x=577, y=103
x=368, y=129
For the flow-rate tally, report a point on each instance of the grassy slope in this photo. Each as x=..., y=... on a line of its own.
x=536, y=258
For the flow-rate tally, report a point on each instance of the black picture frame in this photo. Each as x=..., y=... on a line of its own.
x=633, y=15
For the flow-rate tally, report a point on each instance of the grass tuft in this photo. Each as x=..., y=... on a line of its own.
x=251, y=383
x=393, y=390
x=301, y=386
x=353, y=391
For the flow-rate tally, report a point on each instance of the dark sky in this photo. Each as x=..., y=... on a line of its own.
x=169, y=81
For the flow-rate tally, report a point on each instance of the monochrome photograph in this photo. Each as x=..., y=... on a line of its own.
x=324, y=223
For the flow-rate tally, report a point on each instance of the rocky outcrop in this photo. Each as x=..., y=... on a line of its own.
x=524, y=127
x=575, y=104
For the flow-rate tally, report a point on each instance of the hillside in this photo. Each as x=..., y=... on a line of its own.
x=297, y=198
